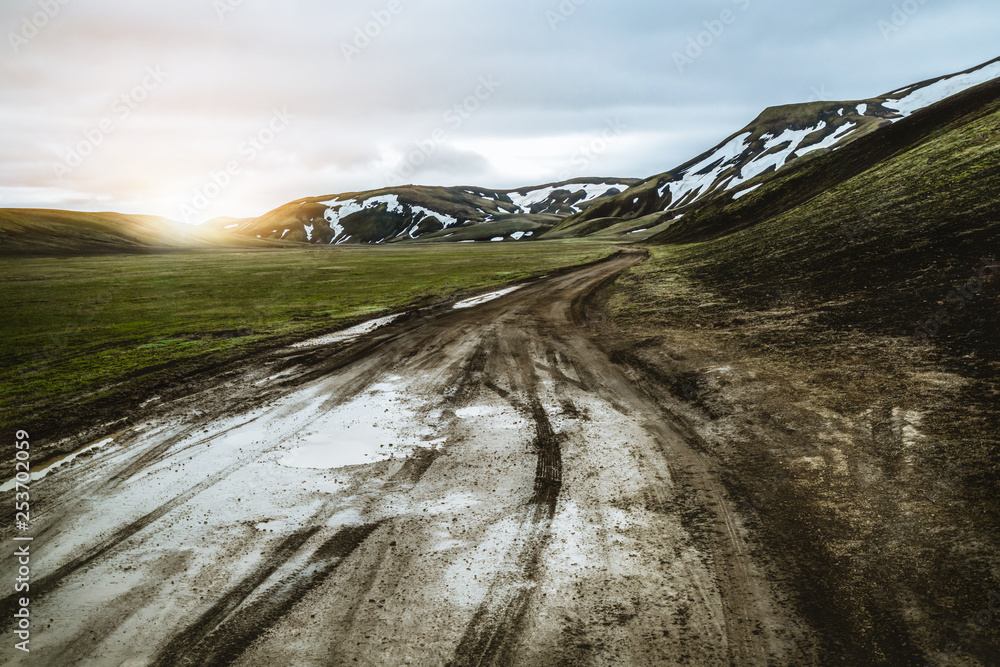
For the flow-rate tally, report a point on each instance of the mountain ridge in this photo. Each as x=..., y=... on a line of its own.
x=778, y=138
x=405, y=213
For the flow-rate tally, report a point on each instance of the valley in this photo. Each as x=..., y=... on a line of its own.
x=743, y=412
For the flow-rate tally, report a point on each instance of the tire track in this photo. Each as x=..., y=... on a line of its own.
x=683, y=449
x=178, y=650
x=44, y=585
x=493, y=633
x=157, y=454
x=225, y=631
x=528, y=353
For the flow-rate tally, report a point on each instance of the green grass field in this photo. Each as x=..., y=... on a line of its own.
x=78, y=330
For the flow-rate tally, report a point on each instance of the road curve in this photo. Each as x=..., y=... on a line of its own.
x=476, y=486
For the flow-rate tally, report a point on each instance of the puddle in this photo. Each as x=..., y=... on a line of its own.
x=491, y=417
x=485, y=298
x=40, y=471
x=476, y=411
x=373, y=427
x=348, y=335
x=336, y=451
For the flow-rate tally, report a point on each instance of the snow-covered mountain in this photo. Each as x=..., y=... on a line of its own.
x=410, y=212
x=779, y=137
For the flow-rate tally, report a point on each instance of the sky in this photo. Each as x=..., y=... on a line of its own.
x=192, y=109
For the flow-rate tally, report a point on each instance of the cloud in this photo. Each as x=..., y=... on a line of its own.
x=355, y=117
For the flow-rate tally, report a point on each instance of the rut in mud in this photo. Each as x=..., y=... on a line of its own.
x=477, y=486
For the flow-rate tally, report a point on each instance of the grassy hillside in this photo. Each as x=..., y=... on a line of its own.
x=87, y=339
x=648, y=197
x=502, y=227
x=810, y=179
x=832, y=340
x=51, y=232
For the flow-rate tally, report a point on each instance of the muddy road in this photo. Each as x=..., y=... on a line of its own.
x=475, y=486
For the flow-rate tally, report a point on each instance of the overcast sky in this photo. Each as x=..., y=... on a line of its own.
x=233, y=107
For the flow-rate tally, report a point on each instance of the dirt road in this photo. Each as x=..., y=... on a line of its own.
x=476, y=486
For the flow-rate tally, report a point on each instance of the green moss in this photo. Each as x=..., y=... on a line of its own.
x=70, y=327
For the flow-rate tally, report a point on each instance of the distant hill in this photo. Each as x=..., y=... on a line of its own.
x=53, y=232
x=409, y=213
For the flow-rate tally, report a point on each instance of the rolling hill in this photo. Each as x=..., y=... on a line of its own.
x=54, y=232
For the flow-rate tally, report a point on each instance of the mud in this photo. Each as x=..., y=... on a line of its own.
x=471, y=486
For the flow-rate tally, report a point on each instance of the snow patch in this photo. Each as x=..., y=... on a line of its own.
x=919, y=98
x=525, y=199
x=446, y=220
x=744, y=193
x=830, y=140
x=705, y=173
x=485, y=298
x=792, y=139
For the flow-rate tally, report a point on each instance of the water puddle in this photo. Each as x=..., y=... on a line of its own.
x=476, y=411
x=336, y=450
x=43, y=469
x=348, y=335
x=375, y=426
